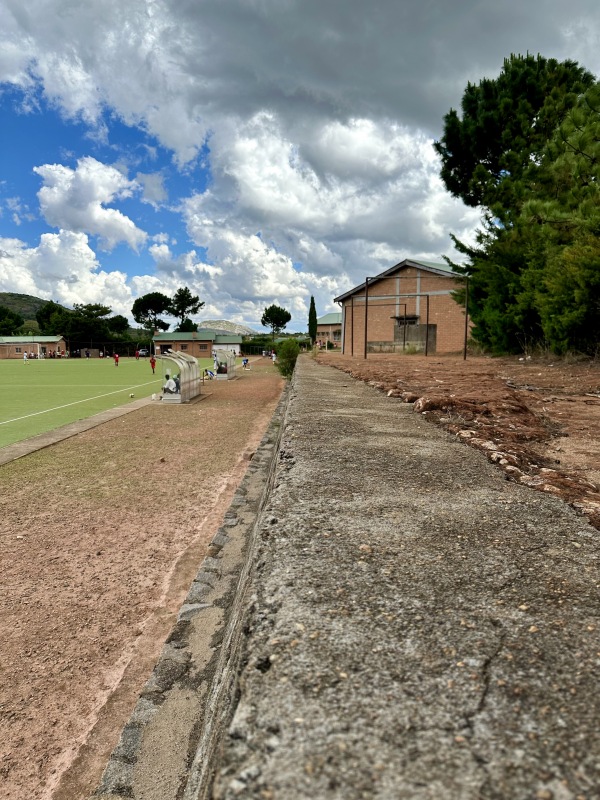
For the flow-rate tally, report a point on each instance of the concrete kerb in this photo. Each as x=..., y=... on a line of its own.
x=199, y=665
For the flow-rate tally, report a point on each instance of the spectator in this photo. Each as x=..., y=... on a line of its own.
x=170, y=386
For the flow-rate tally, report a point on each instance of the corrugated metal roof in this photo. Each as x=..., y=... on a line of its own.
x=202, y=335
x=33, y=339
x=335, y=318
x=429, y=266
x=231, y=338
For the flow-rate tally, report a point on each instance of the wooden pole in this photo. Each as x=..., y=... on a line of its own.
x=427, y=326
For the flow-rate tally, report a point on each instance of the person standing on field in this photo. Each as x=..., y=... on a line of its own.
x=116, y=357
x=24, y=358
x=152, y=363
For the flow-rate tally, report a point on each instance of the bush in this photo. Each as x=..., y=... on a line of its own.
x=287, y=353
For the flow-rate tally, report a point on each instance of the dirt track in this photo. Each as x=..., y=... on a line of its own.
x=101, y=536
x=538, y=419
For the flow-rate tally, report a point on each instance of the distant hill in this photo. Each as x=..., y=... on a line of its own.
x=24, y=304
x=225, y=325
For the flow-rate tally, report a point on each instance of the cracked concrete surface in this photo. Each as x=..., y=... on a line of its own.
x=420, y=626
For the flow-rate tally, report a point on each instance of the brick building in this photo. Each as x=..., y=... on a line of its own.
x=329, y=329
x=407, y=307
x=200, y=344
x=34, y=344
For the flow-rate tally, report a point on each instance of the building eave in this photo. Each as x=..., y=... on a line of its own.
x=407, y=263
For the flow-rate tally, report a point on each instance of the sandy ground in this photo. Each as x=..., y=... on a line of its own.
x=538, y=419
x=101, y=537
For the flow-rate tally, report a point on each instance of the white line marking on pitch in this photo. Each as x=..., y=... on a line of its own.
x=66, y=405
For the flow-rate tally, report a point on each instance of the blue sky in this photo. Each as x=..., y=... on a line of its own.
x=257, y=152
x=43, y=137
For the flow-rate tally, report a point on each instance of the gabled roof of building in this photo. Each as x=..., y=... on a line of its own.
x=335, y=318
x=296, y=337
x=228, y=338
x=31, y=339
x=201, y=335
x=428, y=266
x=219, y=331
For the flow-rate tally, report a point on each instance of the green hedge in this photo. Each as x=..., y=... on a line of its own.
x=287, y=353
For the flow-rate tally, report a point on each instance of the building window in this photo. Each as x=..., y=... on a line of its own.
x=184, y=346
x=18, y=350
x=203, y=347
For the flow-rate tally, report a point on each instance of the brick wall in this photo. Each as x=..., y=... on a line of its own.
x=387, y=301
x=196, y=348
x=332, y=333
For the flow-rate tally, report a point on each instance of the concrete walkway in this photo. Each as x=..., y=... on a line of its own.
x=419, y=627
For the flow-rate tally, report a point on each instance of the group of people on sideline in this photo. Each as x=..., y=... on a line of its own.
x=51, y=354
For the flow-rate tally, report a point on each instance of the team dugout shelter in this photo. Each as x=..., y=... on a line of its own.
x=408, y=308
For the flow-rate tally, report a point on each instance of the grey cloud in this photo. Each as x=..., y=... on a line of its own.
x=385, y=59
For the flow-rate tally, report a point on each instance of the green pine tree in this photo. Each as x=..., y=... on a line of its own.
x=312, y=321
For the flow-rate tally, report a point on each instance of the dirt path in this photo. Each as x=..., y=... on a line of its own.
x=538, y=419
x=101, y=536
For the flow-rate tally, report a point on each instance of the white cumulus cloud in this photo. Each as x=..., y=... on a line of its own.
x=76, y=200
x=62, y=268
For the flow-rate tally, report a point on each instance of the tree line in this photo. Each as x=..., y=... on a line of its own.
x=88, y=323
x=94, y=322
x=526, y=150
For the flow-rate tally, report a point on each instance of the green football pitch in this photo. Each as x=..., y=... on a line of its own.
x=42, y=395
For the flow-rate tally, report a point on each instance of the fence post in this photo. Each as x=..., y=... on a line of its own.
x=366, y=312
